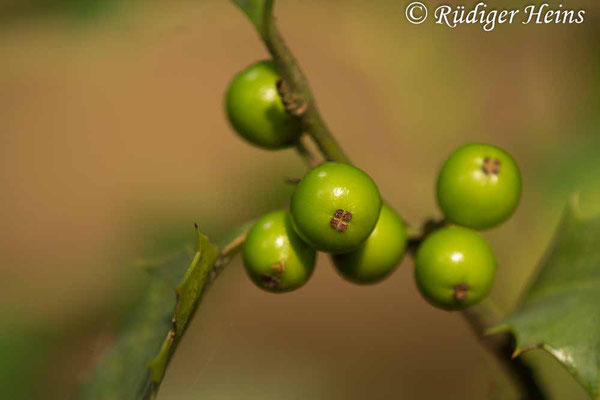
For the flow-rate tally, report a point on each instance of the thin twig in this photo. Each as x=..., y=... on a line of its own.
x=309, y=159
x=501, y=347
x=297, y=94
x=299, y=91
x=482, y=316
x=416, y=235
x=293, y=181
x=230, y=250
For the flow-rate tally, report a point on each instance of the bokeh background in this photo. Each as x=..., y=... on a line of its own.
x=114, y=143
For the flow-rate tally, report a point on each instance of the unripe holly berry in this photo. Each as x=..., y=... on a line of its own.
x=479, y=186
x=454, y=268
x=335, y=207
x=256, y=111
x=275, y=258
x=379, y=255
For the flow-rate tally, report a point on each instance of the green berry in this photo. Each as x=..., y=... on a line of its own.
x=379, y=255
x=335, y=207
x=275, y=258
x=479, y=186
x=454, y=268
x=256, y=111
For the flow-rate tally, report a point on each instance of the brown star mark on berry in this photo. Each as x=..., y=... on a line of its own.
x=274, y=279
x=461, y=291
x=340, y=220
x=491, y=166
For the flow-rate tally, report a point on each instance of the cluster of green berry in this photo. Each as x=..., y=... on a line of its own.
x=337, y=208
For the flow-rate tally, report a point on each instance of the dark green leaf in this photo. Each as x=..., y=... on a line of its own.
x=189, y=292
x=25, y=355
x=561, y=311
x=134, y=367
x=259, y=12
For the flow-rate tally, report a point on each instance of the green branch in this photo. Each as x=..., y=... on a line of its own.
x=309, y=158
x=295, y=88
x=299, y=100
x=136, y=364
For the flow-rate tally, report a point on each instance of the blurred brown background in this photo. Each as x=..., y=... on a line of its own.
x=114, y=143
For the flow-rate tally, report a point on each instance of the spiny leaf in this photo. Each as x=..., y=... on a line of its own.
x=189, y=293
x=122, y=371
x=259, y=12
x=135, y=365
x=561, y=311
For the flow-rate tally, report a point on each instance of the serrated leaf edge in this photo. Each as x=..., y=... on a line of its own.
x=521, y=349
x=158, y=365
x=573, y=210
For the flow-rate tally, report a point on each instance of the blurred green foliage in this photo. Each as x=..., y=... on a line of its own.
x=375, y=51
x=74, y=8
x=560, y=311
x=24, y=361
